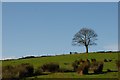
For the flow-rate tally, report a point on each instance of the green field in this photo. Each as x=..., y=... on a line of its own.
x=65, y=61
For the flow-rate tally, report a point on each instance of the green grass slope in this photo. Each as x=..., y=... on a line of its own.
x=65, y=61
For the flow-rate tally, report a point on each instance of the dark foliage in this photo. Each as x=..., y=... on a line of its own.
x=118, y=64
x=108, y=70
x=38, y=71
x=14, y=72
x=66, y=63
x=105, y=60
x=109, y=51
x=75, y=64
x=101, y=52
x=65, y=70
x=27, y=57
x=73, y=52
x=93, y=60
x=50, y=67
x=83, y=66
x=99, y=69
x=25, y=69
x=9, y=72
x=110, y=60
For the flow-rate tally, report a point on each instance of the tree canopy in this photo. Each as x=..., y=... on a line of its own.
x=85, y=37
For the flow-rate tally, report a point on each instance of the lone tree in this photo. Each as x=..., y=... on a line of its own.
x=85, y=37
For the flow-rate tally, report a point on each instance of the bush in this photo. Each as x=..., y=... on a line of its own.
x=27, y=57
x=14, y=72
x=83, y=67
x=66, y=63
x=97, y=67
x=110, y=60
x=118, y=64
x=105, y=60
x=75, y=65
x=38, y=71
x=9, y=72
x=25, y=69
x=108, y=70
x=50, y=67
x=93, y=60
x=65, y=70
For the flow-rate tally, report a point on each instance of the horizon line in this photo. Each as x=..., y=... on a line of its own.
x=13, y=57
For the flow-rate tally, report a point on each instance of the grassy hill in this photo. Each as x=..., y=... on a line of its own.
x=65, y=61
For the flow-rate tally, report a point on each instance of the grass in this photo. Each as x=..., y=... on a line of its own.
x=75, y=75
x=65, y=61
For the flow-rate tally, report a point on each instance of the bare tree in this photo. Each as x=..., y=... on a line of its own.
x=85, y=37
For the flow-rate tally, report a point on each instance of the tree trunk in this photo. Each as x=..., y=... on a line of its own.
x=86, y=49
x=86, y=52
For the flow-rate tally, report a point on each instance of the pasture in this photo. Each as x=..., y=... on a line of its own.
x=65, y=61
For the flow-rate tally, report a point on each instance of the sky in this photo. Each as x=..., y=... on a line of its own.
x=59, y=0
x=48, y=28
x=0, y=30
x=118, y=26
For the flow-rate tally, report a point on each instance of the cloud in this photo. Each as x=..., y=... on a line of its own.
x=11, y=57
x=112, y=47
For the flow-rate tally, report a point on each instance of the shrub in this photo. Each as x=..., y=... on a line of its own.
x=65, y=70
x=66, y=63
x=14, y=72
x=50, y=67
x=105, y=60
x=25, y=69
x=110, y=60
x=118, y=64
x=9, y=72
x=101, y=52
x=38, y=71
x=83, y=67
x=108, y=70
x=75, y=64
x=97, y=67
x=0, y=71
x=93, y=60
x=27, y=57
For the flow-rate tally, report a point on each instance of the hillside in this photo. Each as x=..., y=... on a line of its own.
x=65, y=61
